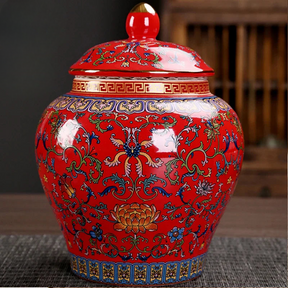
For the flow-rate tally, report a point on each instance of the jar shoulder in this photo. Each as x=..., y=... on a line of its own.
x=209, y=105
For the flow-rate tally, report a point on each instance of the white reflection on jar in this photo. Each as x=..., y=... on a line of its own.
x=164, y=140
x=67, y=133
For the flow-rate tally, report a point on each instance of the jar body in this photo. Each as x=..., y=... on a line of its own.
x=138, y=184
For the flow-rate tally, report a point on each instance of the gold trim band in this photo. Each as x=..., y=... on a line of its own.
x=140, y=87
x=166, y=72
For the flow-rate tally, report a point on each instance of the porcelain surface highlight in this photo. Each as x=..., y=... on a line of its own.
x=139, y=159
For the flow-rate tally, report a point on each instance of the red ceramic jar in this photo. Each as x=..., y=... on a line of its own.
x=139, y=159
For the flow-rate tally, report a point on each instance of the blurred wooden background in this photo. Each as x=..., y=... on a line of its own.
x=246, y=43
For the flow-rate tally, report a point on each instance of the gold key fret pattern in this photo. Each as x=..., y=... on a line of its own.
x=113, y=87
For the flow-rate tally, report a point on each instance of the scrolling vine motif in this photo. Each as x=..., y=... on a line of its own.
x=131, y=148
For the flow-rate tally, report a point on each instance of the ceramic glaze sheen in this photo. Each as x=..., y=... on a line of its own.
x=139, y=170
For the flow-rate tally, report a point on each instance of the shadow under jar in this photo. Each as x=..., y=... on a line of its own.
x=139, y=159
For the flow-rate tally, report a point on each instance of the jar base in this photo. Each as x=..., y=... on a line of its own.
x=136, y=285
x=137, y=274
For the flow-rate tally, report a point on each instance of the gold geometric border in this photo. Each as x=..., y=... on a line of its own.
x=140, y=87
x=154, y=273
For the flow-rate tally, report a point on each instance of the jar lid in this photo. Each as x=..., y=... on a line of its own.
x=141, y=55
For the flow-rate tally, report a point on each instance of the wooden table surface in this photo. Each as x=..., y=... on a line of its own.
x=244, y=217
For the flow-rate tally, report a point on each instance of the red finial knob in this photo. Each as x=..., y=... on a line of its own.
x=142, y=22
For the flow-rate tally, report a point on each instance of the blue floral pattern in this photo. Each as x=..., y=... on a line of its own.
x=176, y=234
